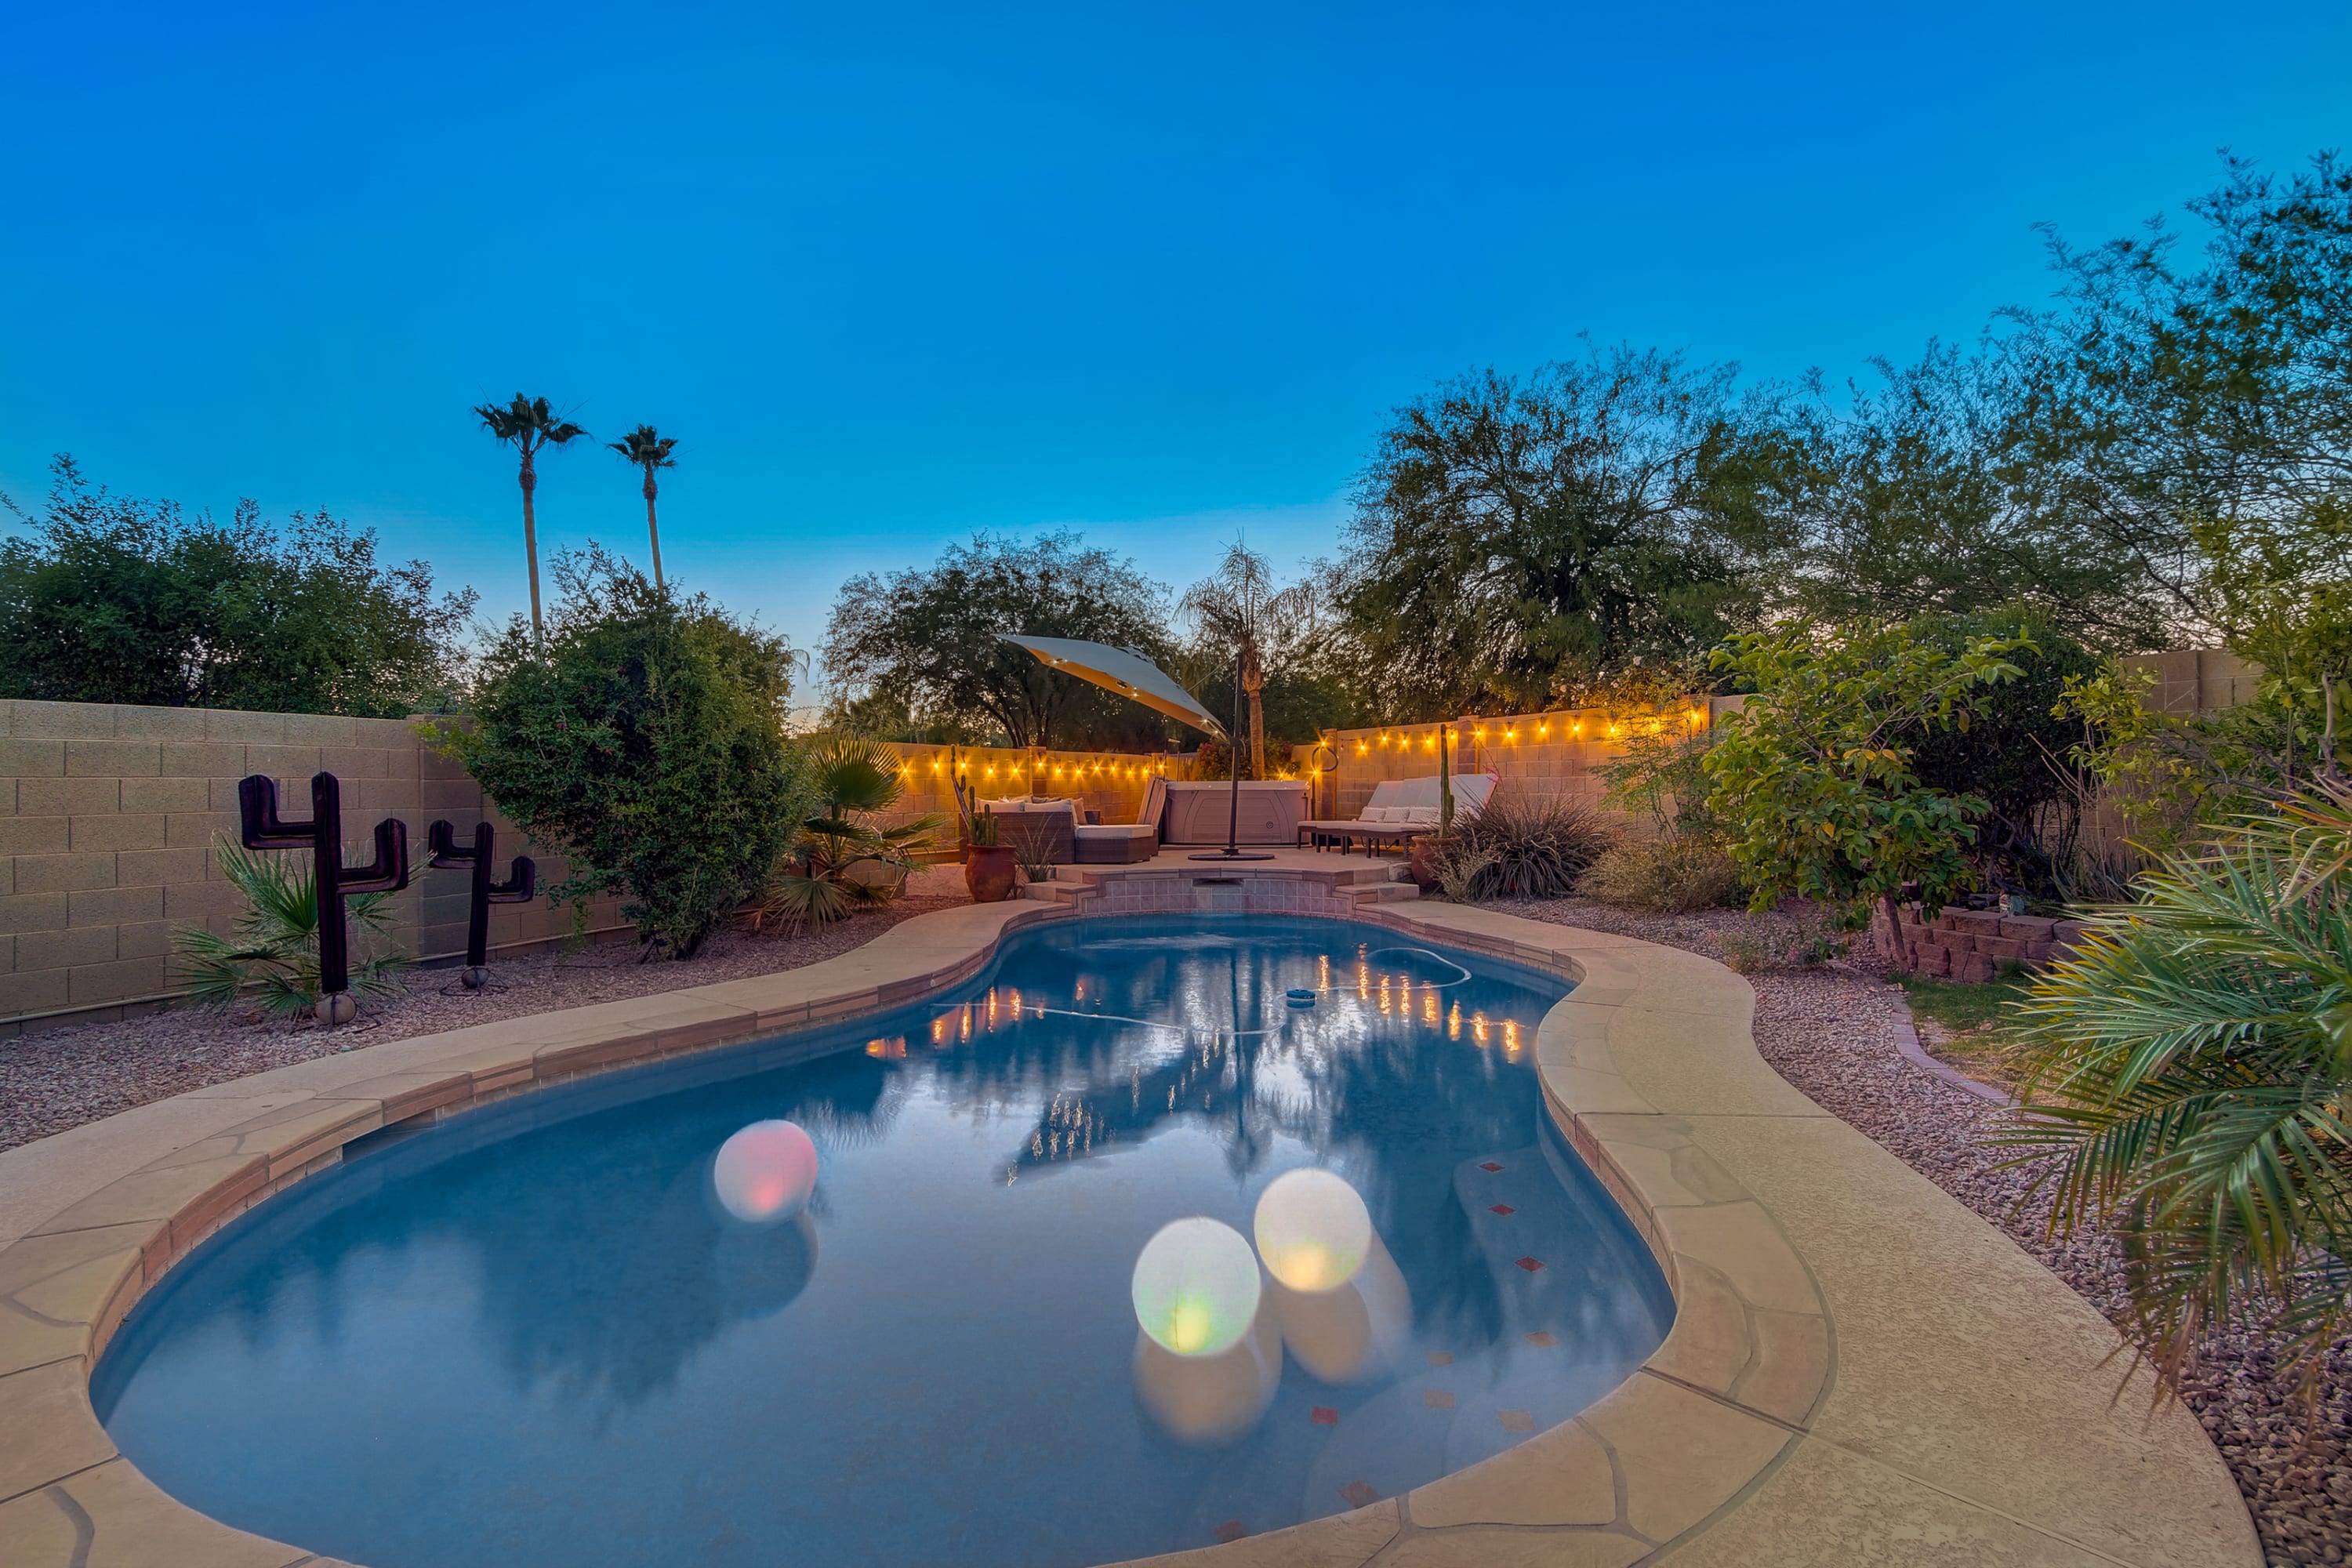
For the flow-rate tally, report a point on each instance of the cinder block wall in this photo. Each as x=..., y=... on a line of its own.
x=108, y=819
x=1547, y=755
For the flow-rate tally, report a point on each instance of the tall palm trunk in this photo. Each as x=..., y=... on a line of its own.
x=653, y=530
x=531, y=548
x=1253, y=687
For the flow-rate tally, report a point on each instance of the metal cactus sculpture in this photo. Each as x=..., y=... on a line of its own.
x=264, y=829
x=521, y=883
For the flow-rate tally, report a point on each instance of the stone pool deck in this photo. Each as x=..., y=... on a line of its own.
x=1860, y=1370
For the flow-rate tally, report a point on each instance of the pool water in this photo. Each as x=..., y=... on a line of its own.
x=536, y=1334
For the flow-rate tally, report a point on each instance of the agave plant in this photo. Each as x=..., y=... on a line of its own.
x=274, y=951
x=842, y=859
x=2193, y=1083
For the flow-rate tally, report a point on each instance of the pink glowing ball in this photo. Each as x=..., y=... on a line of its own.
x=765, y=1172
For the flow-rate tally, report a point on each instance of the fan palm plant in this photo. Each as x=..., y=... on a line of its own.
x=526, y=424
x=648, y=449
x=1239, y=608
x=843, y=859
x=274, y=950
x=2192, y=1086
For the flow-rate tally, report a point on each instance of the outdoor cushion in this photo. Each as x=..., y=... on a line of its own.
x=1416, y=813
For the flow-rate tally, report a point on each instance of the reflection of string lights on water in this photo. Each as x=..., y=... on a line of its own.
x=1313, y=1231
x=1195, y=1287
x=765, y=1172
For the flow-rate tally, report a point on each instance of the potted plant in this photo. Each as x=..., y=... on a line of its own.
x=989, y=869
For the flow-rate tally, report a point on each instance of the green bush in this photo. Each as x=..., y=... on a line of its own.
x=647, y=746
x=2192, y=1064
x=1663, y=875
x=273, y=953
x=843, y=859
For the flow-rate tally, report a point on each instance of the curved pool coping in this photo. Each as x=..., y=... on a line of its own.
x=1859, y=1371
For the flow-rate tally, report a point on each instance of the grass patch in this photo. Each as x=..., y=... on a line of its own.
x=1970, y=1017
x=1963, y=1008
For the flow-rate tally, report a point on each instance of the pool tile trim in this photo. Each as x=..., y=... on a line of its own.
x=1652, y=1045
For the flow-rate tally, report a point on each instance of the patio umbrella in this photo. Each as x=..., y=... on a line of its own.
x=1128, y=674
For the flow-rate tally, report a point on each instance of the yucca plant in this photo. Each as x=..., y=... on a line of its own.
x=841, y=860
x=2191, y=1083
x=1537, y=846
x=273, y=953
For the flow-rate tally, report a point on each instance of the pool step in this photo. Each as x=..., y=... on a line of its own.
x=1137, y=889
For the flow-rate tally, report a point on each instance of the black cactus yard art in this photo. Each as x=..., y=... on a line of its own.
x=262, y=828
x=522, y=881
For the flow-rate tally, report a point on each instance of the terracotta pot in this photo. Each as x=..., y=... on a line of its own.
x=1423, y=869
x=990, y=872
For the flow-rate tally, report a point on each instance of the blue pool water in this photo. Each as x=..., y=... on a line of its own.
x=534, y=1335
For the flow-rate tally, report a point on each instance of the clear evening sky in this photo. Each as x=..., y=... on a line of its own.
x=894, y=274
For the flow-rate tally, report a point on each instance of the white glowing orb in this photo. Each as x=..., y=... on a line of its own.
x=1196, y=1286
x=1313, y=1231
x=765, y=1172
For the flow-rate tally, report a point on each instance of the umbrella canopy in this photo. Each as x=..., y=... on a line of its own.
x=1128, y=674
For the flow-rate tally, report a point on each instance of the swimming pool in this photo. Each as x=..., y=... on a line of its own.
x=539, y=1332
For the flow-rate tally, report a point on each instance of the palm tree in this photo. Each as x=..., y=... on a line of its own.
x=843, y=858
x=649, y=449
x=1239, y=608
x=274, y=949
x=528, y=424
x=2193, y=1080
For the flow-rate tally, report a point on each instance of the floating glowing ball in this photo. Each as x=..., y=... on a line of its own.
x=1313, y=1231
x=1196, y=1286
x=765, y=1172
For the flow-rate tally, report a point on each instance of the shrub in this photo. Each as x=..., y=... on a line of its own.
x=647, y=746
x=842, y=859
x=1663, y=875
x=274, y=950
x=1816, y=778
x=2190, y=1076
x=1532, y=849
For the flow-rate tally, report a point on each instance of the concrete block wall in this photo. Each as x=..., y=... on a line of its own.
x=2189, y=681
x=1551, y=755
x=1110, y=784
x=108, y=815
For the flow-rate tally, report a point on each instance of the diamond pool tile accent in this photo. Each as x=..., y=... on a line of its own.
x=1233, y=1530
x=1324, y=1416
x=1359, y=1494
x=1437, y=1399
x=1488, y=1165
x=1515, y=1420
x=1541, y=1340
x=1531, y=1264
x=1502, y=1208
x=1441, y=1358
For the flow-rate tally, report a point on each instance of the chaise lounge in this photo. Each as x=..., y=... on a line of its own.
x=1400, y=811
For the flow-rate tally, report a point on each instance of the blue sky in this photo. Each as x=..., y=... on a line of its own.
x=1154, y=272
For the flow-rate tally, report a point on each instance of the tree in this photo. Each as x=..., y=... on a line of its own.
x=2194, y=1060
x=1908, y=512
x=649, y=449
x=526, y=424
x=1814, y=781
x=929, y=640
x=2015, y=751
x=113, y=599
x=1238, y=616
x=1516, y=538
x=2157, y=398
x=646, y=743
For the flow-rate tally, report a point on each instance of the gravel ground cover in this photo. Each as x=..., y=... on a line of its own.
x=1828, y=1029
x=61, y=1078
